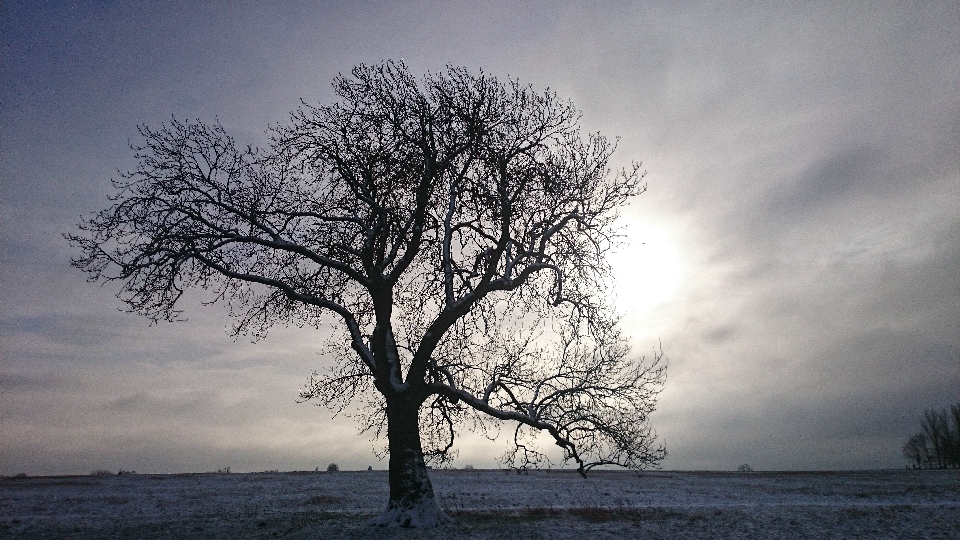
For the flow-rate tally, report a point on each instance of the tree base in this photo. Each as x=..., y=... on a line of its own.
x=424, y=514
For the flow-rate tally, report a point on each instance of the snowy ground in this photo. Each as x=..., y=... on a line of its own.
x=490, y=504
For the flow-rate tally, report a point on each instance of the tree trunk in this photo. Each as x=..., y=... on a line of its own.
x=412, y=503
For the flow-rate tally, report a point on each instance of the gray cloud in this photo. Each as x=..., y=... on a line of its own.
x=29, y=383
x=829, y=183
x=71, y=330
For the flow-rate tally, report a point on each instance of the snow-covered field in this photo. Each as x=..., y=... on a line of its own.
x=490, y=504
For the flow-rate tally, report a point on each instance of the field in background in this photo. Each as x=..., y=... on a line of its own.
x=489, y=504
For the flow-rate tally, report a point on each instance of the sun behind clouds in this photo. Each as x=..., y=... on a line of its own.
x=647, y=270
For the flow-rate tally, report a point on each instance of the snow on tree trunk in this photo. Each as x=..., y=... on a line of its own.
x=412, y=503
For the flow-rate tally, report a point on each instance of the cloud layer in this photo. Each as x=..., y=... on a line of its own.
x=804, y=168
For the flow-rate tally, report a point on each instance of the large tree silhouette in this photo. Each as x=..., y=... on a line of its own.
x=453, y=228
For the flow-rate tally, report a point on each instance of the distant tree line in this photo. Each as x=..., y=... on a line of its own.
x=937, y=444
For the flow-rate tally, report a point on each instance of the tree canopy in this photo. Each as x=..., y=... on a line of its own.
x=453, y=228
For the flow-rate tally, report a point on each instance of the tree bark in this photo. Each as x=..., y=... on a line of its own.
x=412, y=503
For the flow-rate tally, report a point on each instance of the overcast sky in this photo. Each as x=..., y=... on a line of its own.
x=797, y=253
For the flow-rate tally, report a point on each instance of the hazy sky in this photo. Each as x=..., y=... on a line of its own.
x=797, y=253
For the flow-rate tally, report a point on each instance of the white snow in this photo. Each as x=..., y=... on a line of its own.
x=490, y=504
x=426, y=513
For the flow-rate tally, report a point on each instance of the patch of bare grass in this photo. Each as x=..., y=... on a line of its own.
x=323, y=500
x=590, y=514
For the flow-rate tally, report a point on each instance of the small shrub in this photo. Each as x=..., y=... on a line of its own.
x=333, y=467
x=121, y=471
x=101, y=472
x=21, y=475
x=225, y=470
x=745, y=468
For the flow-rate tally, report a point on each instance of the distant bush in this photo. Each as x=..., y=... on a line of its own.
x=101, y=472
x=468, y=467
x=225, y=470
x=121, y=471
x=21, y=475
x=745, y=468
x=333, y=467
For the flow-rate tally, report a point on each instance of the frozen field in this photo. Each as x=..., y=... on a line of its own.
x=490, y=504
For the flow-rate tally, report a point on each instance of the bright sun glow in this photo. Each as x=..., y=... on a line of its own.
x=647, y=270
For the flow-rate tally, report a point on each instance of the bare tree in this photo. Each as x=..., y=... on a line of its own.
x=917, y=450
x=954, y=446
x=454, y=228
x=937, y=445
x=937, y=430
